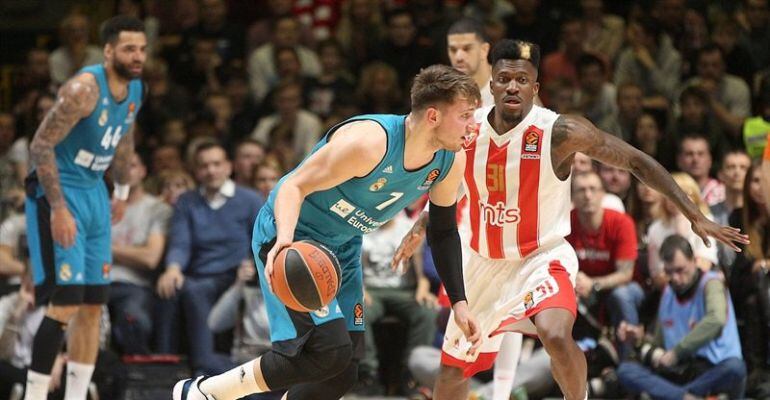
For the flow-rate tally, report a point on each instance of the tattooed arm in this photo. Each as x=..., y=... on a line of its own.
x=121, y=163
x=573, y=134
x=121, y=166
x=76, y=99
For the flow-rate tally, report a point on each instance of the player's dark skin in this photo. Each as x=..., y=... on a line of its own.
x=514, y=87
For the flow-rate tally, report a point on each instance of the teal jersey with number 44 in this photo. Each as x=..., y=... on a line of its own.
x=361, y=205
x=87, y=151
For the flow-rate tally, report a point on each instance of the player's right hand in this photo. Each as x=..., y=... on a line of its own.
x=468, y=324
x=409, y=245
x=280, y=244
x=63, y=227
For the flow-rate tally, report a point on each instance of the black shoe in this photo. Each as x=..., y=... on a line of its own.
x=368, y=385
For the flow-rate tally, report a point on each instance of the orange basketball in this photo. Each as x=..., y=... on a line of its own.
x=306, y=276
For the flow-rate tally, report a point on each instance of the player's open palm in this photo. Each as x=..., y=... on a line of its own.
x=728, y=235
x=468, y=324
x=63, y=227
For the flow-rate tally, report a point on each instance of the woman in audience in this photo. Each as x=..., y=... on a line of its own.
x=749, y=273
x=669, y=220
x=173, y=183
x=378, y=90
x=359, y=29
x=266, y=175
x=649, y=138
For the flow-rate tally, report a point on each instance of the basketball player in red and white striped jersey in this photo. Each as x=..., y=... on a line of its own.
x=468, y=50
x=521, y=271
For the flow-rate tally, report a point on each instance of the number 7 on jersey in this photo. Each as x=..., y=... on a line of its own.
x=394, y=197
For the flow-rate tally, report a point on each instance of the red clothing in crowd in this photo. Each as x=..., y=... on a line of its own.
x=598, y=251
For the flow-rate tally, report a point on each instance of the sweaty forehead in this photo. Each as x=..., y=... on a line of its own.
x=514, y=66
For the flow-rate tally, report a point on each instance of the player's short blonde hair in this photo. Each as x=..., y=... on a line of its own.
x=442, y=84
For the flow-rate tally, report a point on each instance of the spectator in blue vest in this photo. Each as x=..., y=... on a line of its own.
x=696, y=351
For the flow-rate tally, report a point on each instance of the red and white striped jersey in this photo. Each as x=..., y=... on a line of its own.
x=517, y=203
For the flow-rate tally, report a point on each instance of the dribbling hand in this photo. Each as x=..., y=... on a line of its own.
x=63, y=227
x=468, y=324
x=280, y=244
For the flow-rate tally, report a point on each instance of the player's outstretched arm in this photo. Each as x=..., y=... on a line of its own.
x=353, y=151
x=573, y=133
x=76, y=99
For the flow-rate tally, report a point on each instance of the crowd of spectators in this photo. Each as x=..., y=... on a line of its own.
x=240, y=91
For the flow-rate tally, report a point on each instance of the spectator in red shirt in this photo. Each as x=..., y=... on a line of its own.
x=605, y=243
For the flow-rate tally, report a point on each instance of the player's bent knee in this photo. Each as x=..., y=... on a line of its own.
x=90, y=310
x=556, y=337
x=281, y=371
x=335, y=361
x=62, y=313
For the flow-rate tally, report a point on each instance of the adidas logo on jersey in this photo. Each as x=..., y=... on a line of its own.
x=388, y=170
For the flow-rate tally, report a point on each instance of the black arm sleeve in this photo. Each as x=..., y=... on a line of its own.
x=444, y=241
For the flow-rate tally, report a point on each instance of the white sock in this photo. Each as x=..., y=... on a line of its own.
x=505, y=365
x=233, y=384
x=584, y=398
x=37, y=385
x=78, y=379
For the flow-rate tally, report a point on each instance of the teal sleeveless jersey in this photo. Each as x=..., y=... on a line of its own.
x=360, y=205
x=87, y=151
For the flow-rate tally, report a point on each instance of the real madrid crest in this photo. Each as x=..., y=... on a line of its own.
x=103, y=117
x=65, y=273
x=378, y=185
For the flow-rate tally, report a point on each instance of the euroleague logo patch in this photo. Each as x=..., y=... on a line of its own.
x=358, y=314
x=432, y=176
x=531, y=142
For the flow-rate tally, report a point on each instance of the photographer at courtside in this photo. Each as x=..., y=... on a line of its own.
x=696, y=350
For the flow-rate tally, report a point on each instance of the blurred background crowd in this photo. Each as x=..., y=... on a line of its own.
x=239, y=91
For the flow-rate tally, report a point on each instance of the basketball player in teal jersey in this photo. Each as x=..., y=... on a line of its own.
x=68, y=208
x=363, y=172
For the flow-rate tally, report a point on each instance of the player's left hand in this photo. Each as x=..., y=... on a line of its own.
x=118, y=210
x=468, y=324
x=280, y=244
x=409, y=245
x=728, y=235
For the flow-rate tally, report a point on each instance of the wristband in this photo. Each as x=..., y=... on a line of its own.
x=121, y=192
